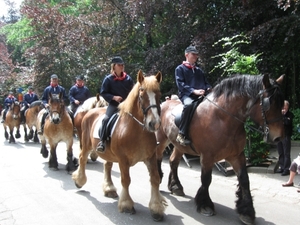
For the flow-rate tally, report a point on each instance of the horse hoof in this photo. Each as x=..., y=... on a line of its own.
x=246, y=220
x=178, y=192
x=77, y=185
x=157, y=217
x=18, y=135
x=206, y=211
x=130, y=211
x=111, y=194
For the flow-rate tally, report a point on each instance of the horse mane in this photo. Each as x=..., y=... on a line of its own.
x=149, y=83
x=239, y=85
x=35, y=103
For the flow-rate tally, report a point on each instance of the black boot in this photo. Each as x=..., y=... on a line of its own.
x=102, y=134
x=101, y=146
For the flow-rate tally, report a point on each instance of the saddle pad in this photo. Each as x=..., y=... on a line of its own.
x=99, y=124
x=176, y=112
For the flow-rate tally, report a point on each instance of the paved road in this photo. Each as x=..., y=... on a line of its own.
x=31, y=194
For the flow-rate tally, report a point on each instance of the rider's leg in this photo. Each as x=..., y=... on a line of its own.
x=41, y=130
x=4, y=115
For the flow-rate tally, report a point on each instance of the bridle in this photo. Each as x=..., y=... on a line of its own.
x=145, y=110
x=264, y=105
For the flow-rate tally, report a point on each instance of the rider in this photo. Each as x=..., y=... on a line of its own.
x=78, y=93
x=53, y=88
x=7, y=102
x=29, y=98
x=115, y=89
x=191, y=84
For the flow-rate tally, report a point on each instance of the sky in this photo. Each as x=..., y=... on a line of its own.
x=4, y=8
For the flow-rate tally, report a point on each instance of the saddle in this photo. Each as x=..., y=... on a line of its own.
x=110, y=125
x=177, y=111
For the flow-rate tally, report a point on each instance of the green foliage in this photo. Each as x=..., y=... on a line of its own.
x=296, y=124
x=233, y=61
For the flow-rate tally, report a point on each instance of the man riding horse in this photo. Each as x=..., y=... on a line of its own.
x=29, y=98
x=7, y=103
x=53, y=88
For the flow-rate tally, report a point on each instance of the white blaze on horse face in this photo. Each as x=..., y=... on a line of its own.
x=55, y=117
x=155, y=115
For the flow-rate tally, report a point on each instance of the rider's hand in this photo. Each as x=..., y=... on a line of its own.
x=117, y=98
x=77, y=102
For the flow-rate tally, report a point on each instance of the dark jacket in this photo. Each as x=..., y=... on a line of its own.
x=8, y=101
x=30, y=98
x=111, y=87
x=79, y=93
x=288, y=123
x=189, y=79
x=54, y=90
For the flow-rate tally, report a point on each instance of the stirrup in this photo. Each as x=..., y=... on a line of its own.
x=182, y=140
x=100, y=147
x=40, y=132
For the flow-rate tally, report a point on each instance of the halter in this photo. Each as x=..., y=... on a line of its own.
x=145, y=110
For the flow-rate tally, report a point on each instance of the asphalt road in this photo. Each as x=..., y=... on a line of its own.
x=32, y=194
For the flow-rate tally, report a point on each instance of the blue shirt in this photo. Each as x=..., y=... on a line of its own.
x=30, y=98
x=189, y=79
x=79, y=93
x=8, y=101
x=54, y=90
x=111, y=87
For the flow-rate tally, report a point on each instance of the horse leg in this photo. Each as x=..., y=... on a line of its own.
x=26, y=138
x=204, y=204
x=30, y=135
x=44, y=150
x=125, y=203
x=174, y=184
x=108, y=186
x=244, y=203
x=157, y=202
x=11, y=136
x=79, y=175
x=53, y=164
x=36, y=138
x=72, y=161
x=6, y=134
x=18, y=135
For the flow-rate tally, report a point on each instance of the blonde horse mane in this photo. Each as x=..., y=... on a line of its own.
x=151, y=83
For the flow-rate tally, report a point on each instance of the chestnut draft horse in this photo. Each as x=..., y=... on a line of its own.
x=217, y=132
x=133, y=140
x=93, y=102
x=31, y=115
x=58, y=127
x=12, y=120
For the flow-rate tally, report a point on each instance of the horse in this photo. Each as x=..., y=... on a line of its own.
x=133, y=140
x=217, y=132
x=93, y=102
x=31, y=115
x=12, y=120
x=58, y=127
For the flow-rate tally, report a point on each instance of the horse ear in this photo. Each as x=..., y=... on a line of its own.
x=98, y=97
x=280, y=79
x=49, y=94
x=60, y=95
x=158, y=77
x=140, y=77
x=266, y=81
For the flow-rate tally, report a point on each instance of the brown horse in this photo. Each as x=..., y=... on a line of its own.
x=132, y=141
x=93, y=102
x=12, y=120
x=58, y=127
x=217, y=132
x=31, y=115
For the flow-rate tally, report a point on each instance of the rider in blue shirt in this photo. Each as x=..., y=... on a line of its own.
x=7, y=102
x=29, y=98
x=53, y=88
x=115, y=89
x=192, y=84
x=78, y=93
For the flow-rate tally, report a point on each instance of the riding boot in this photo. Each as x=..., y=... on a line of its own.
x=23, y=117
x=102, y=135
x=71, y=114
x=186, y=116
x=41, y=130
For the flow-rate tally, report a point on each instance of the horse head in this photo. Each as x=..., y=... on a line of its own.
x=56, y=107
x=143, y=102
x=15, y=109
x=270, y=104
